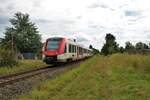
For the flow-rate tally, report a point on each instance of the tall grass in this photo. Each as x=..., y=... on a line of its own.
x=125, y=77
x=115, y=77
x=22, y=65
x=138, y=62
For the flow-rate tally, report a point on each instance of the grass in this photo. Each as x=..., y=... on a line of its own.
x=23, y=65
x=116, y=77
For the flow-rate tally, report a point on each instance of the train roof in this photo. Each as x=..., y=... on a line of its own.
x=71, y=41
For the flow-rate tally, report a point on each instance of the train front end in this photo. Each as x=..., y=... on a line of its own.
x=52, y=48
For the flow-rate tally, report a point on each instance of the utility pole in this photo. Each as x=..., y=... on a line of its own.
x=12, y=42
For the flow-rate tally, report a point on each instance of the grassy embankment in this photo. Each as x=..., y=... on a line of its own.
x=117, y=77
x=23, y=65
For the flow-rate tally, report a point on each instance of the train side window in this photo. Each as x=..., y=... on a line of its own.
x=69, y=48
x=72, y=48
x=65, y=48
x=80, y=50
x=75, y=49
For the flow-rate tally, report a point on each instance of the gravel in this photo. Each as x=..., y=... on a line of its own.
x=16, y=89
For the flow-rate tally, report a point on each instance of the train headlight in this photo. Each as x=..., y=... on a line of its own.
x=43, y=56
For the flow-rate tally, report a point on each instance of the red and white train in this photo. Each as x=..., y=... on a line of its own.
x=59, y=49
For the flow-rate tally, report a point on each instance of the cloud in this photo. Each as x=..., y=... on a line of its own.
x=43, y=21
x=93, y=26
x=79, y=17
x=86, y=20
x=3, y=20
x=132, y=13
x=95, y=5
x=103, y=6
x=3, y=24
x=99, y=5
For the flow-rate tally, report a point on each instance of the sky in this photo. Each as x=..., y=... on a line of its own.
x=88, y=21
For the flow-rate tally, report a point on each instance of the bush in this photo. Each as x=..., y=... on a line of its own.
x=7, y=57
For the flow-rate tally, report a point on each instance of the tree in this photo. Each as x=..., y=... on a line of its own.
x=141, y=46
x=23, y=34
x=129, y=46
x=121, y=49
x=95, y=51
x=90, y=47
x=110, y=46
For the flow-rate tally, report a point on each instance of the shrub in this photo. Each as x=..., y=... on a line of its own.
x=7, y=57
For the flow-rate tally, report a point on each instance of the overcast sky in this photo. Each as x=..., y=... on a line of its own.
x=86, y=20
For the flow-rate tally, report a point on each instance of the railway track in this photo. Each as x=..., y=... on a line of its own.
x=8, y=79
x=12, y=78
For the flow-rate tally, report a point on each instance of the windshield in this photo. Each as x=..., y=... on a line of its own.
x=53, y=44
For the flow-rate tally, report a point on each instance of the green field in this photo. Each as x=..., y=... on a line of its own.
x=23, y=65
x=116, y=77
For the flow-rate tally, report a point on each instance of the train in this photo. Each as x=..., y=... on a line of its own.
x=60, y=49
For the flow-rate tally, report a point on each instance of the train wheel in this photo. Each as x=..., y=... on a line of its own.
x=69, y=60
x=47, y=62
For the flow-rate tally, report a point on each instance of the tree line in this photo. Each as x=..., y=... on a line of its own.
x=111, y=46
